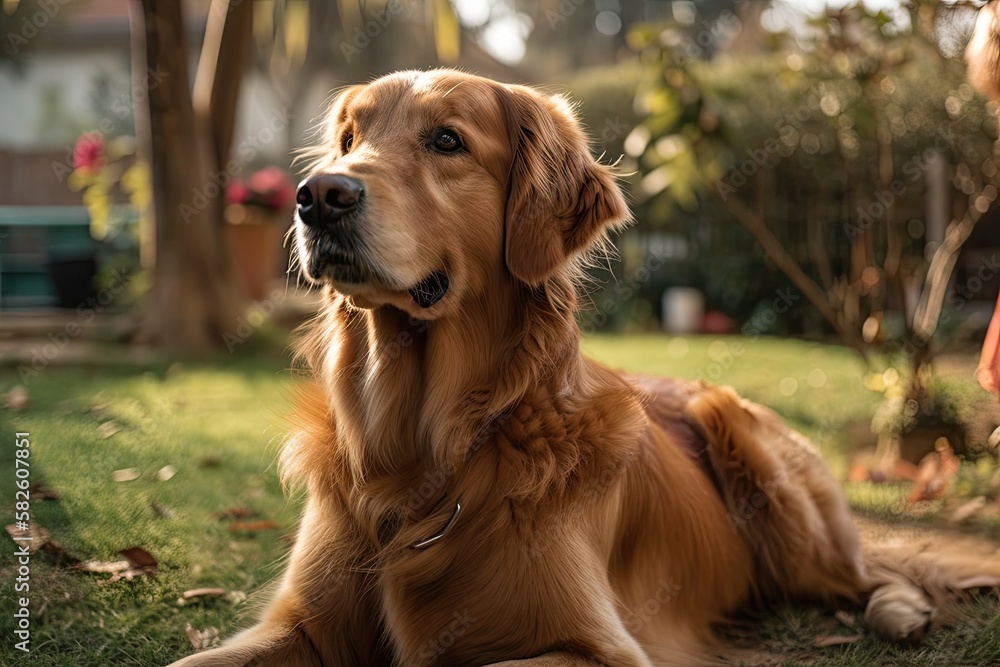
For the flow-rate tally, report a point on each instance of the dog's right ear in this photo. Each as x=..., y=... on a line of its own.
x=329, y=132
x=560, y=199
x=333, y=121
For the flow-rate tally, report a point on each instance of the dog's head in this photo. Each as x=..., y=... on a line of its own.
x=431, y=186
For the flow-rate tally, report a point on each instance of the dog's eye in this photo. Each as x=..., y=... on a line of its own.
x=346, y=141
x=445, y=141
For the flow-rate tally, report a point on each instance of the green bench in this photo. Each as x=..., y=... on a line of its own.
x=30, y=238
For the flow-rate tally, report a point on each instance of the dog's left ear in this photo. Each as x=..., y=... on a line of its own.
x=560, y=200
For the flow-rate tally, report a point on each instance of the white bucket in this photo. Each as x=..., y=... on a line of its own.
x=683, y=310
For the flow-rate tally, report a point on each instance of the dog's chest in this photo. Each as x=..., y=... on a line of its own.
x=522, y=569
x=487, y=591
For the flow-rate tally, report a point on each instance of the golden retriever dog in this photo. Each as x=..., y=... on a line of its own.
x=480, y=493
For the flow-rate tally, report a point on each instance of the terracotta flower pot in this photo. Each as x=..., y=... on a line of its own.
x=254, y=236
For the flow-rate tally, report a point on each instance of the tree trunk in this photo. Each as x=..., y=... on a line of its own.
x=224, y=58
x=195, y=298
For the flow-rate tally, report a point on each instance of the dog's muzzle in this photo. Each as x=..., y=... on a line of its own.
x=329, y=210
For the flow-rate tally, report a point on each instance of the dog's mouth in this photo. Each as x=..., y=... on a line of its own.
x=338, y=258
x=341, y=261
x=337, y=266
x=430, y=290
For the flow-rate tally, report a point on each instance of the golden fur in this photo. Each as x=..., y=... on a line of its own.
x=605, y=520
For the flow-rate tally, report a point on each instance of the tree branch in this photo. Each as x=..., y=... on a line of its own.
x=225, y=55
x=790, y=267
x=928, y=313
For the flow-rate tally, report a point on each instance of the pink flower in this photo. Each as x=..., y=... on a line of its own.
x=88, y=153
x=237, y=192
x=271, y=182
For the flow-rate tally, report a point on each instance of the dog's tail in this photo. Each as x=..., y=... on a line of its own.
x=913, y=589
x=794, y=514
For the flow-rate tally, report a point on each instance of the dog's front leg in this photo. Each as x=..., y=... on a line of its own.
x=627, y=656
x=333, y=626
x=566, y=659
x=323, y=614
x=560, y=659
x=259, y=646
x=624, y=653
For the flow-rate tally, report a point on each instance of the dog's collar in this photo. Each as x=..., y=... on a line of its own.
x=424, y=543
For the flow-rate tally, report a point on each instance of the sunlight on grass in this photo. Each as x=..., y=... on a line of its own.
x=182, y=417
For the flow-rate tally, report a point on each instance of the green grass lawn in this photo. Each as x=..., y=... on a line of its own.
x=230, y=415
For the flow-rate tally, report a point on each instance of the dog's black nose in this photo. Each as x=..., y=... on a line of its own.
x=327, y=198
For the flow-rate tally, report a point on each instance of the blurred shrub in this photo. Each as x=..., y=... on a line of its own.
x=819, y=141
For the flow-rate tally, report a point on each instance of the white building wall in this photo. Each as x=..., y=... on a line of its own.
x=50, y=100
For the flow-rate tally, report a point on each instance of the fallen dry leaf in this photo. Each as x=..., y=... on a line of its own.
x=199, y=593
x=139, y=557
x=239, y=512
x=253, y=526
x=35, y=536
x=203, y=593
x=165, y=473
x=822, y=642
x=139, y=564
x=125, y=475
x=108, y=429
x=17, y=399
x=99, y=411
x=102, y=567
x=994, y=440
x=202, y=639
x=968, y=509
x=130, y=574
x=41, y=541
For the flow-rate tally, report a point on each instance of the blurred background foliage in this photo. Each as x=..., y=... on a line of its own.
x=813, y=133
x=690, y=94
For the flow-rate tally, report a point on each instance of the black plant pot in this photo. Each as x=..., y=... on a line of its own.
x=73, y=279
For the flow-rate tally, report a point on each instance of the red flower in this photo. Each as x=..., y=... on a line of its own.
x=88, y=153
x=274, y=185
x=237, y=192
